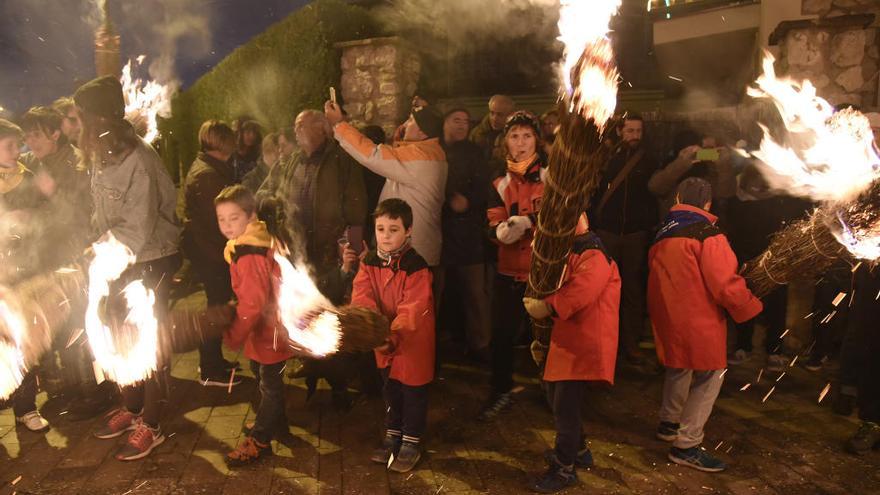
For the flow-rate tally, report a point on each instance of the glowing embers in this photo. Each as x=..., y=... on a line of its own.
x=588, y=72
x=126, y=350
x=144, y=101
x=310, y=319
x=12, y=366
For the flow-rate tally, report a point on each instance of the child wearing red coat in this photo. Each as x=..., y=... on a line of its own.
x=692, y=281
x=394, y=280
x=255, y=275
x=583, y=348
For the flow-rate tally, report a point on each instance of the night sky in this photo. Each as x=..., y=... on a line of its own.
x=47, y=46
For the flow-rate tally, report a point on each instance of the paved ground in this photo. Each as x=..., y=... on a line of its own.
x=786, y=445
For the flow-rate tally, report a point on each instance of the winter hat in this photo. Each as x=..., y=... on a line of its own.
x=694, y=192
x=429, y=122
x=101, y=97
x=522, y=117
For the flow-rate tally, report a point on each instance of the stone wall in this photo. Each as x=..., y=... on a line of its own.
x=379, y=78
x=841, y=61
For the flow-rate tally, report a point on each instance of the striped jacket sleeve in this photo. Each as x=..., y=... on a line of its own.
x=387, y=161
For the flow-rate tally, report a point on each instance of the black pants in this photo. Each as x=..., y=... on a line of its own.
x=271, y=418
x=406, y=408
x=630, y=251
x=865, y=335
x=829, y=334
x=508, y=316
x=775, y=307
x=218, y=290
x=151, y=394
x=24, y=399
x=566, y=397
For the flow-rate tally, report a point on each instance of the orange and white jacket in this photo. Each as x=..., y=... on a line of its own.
x=415, y=171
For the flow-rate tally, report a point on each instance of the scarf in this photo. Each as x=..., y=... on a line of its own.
x=522, y=166
x=11, y=177
x=676, y=220
x=388, y=257
x=255, y=234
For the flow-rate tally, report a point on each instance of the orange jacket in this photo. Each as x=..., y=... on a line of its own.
x=692, y=280
x=583, y=345
x=401, y=290
x=513, y=194
x=255, y=278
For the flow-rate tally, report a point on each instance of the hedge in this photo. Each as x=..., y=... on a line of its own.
x=287, y=68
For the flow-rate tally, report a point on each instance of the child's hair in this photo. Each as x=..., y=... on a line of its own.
x=64, y=104
x=270, y=142
x=216, y=135
x=395, y=208
x=694, y=191
x=44, y=119
x=7, y=129
x=239, y=195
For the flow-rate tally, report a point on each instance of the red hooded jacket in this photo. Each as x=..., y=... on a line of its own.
x=692, y=280
x=513, y=194
x=401, y=290
x=255, y=278
x=583, y=345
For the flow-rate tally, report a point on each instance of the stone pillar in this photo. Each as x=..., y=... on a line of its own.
x=379, y=78
x=107, y=58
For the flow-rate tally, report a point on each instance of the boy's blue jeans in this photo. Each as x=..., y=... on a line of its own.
x=271, y=418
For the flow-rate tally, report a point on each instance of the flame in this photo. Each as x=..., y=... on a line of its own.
x=588, y=71
x=298, y=303
x=829, y=156
x=144, y=101
x=138, y=361
x=12, y=366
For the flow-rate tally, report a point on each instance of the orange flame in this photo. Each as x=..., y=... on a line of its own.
x=144, y=101
x=587, y=70
x=308, y=316
x=12, y=366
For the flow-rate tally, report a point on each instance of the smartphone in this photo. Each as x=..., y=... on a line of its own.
x=707, y=155
x=355, y=236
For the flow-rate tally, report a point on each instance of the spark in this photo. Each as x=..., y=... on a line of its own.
x=824, y=392
x=760, y=374
x=809, y=315
x=745, y=387
x=675, y=78
x=231, y=380
x=794, y=360
x=856, y=267
x=16, y=480
x=728, y=449
x=722, y=374
x=768, y=394
x=780, y=377
x=103, y=134
x=719, y=445
x=784, y=333
x=840, y=297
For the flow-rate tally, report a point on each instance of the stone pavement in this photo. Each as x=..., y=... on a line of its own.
x=786, y=445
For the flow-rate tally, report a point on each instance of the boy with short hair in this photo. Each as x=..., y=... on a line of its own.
x=583, y=349
x=395, y=280
x=692, y=281
x=254, y=275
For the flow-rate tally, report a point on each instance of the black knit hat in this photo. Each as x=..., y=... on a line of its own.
x=694, y=192
x=524, y=118
x=429, y=121
x=101, y=97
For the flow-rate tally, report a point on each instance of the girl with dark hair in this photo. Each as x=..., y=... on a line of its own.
x=248, y=145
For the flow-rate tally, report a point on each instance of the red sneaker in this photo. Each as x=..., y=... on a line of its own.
x=119, y=422
x=247, y=452
x=140, y=443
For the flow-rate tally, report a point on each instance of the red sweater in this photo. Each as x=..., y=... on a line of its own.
x=583, y=345
x=693, y=279
x=255, y=278
x=401, y=290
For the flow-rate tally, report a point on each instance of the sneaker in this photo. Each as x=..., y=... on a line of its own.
x=865, y=439
x=119, y=422
x=390, y=446
x=248, y=452
x=776, y=362
x=667, y=431
x=498, y=404
x=33, y=421
x=220, y=379
x=696, y=458
x=739, y=357
x=556, y=478
x=140, y=443
x=583, y=459
x=406, y=458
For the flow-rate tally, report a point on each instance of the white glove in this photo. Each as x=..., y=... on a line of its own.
x=513, y=229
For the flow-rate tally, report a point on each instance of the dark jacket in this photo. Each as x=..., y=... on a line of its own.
x=464, y=233
x=750, y=222
x=202, y=239
x=339, y=201
x=255, y=178
x=632, y=207
x=485, y=137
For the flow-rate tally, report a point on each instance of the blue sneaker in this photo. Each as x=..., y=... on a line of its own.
x=696, y=458
x=583, y=460
x=556, y=478
x=667, y=431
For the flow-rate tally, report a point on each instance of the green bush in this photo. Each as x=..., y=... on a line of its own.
x=287, y=68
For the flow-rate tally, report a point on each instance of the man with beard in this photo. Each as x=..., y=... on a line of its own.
x=623, y=212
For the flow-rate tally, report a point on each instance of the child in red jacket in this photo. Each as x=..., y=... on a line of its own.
x=395, y=281
x=254, y=275
x=692, y=281
x=583, y=348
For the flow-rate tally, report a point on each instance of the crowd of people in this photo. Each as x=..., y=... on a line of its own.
x=433, y=228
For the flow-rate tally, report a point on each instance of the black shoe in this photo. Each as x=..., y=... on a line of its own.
x=667, y=431
x=865, y=439
x=219, y=379
x=498, y=404
x=407, y=458
x=583, y=459
x=556, y=478
x=390, y=446
x=696, y=458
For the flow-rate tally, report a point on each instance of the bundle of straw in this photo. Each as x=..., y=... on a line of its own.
x=362, y=329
